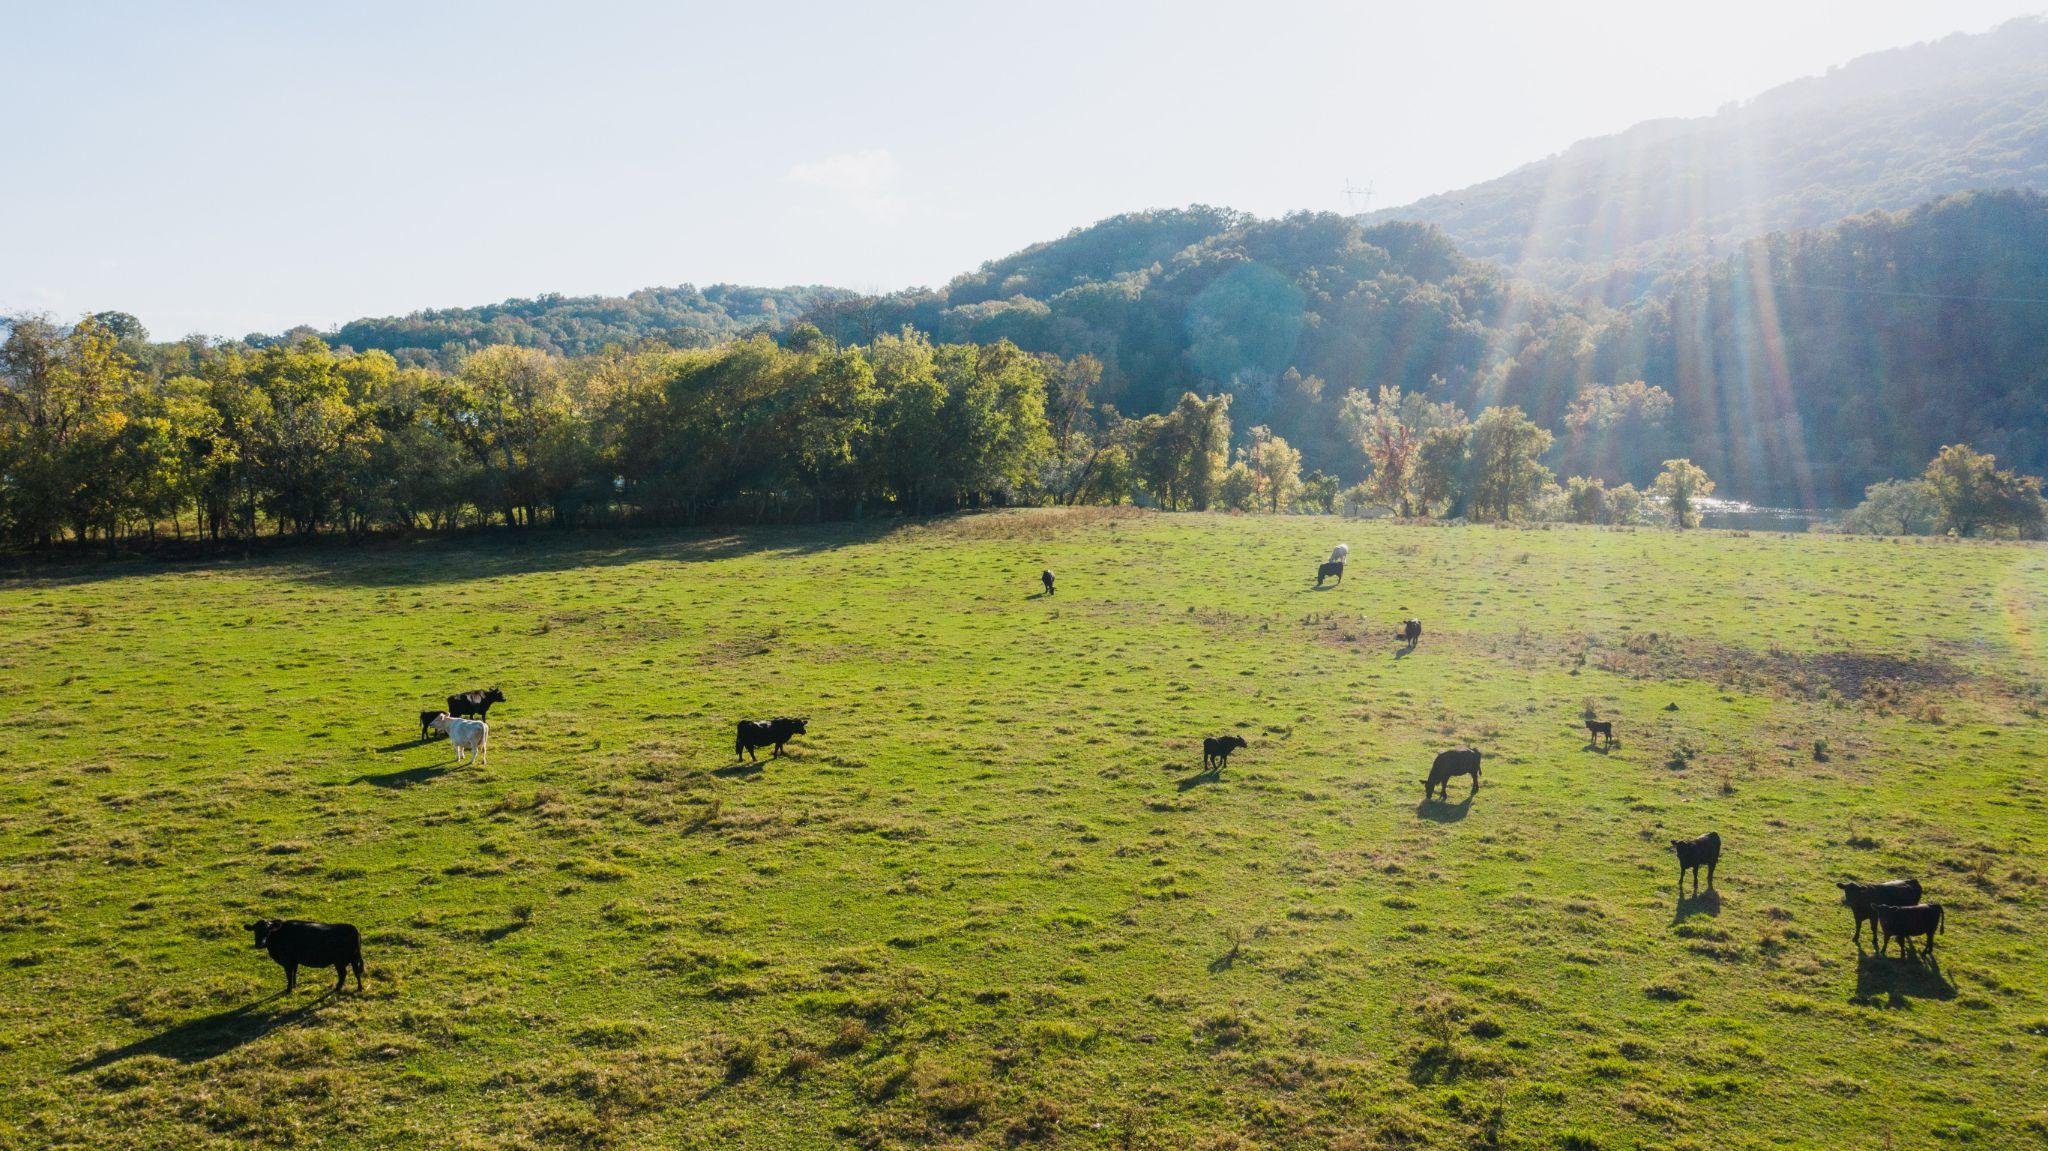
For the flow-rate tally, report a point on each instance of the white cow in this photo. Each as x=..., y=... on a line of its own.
x=465, y=735
x=1338, y=553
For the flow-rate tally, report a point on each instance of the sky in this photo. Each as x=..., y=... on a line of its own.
x=232, y=168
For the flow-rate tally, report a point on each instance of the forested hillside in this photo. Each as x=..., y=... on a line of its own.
x=1799, y=369
x=681, y=317
x=1610, y=216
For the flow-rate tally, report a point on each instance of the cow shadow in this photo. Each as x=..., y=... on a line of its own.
x=1443, y=810
x=1403, y=652
x=739, y=770
x=1039, y=595
x=1707, y=903
x=1596, y=746
x=1896, y=982
x=1323, y=587
x=197, y=1040
x=1204, y=776
x=408, y=745
x=396, y=780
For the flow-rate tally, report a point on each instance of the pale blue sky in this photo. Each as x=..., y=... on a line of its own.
x=226, y=168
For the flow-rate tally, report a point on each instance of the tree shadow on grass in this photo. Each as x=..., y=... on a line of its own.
x=1706, y=903
x=1205, y=776
x=197, y=1040
x=396, y=780
x=1443, y=810
x=1881, y=979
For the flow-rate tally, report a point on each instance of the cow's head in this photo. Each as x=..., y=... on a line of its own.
x=262, y=928
x=494, y=696
x=798, y=725
x=1235, y=741
x=439, y=722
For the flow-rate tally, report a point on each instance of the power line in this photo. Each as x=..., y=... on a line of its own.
x=1915, y=295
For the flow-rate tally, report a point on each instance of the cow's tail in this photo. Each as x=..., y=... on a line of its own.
x=1941, y=921
x=356, y=960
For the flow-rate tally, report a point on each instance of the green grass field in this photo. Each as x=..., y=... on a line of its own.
x=989, y=900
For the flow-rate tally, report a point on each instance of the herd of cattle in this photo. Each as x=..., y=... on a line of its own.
x=1892, y=908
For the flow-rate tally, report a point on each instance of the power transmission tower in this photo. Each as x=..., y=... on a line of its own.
x=1358, y=198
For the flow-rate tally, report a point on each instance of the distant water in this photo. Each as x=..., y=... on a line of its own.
x=1738, y=515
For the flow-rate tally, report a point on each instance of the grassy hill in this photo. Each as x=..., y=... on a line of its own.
x=1885, y=131
x=989, y=900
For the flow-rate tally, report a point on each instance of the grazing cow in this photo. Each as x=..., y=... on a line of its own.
x=1333, y=568
x=295, y=943
x=468, y=736
x=1410, y=633
x=755, y=733
x=1045, y=577
x=1600, y=729
x=1863, y=900
x=474, y=704
x=1449, y=764
x=1903, y=923
x=1340, y=553
x=1694, y=854
x=427, y=718
x=1217, y=749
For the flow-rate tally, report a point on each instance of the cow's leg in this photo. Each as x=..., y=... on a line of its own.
x=340, y=978
x=1711, y=865
x=291, y=977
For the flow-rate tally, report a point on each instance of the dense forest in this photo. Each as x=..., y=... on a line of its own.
x=1615, y=217
x=1802, y=368
x=681, y=317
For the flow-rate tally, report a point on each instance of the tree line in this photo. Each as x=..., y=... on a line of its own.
x=105, y=436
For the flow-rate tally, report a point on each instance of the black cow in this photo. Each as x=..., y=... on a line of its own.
x=295, y=943
x=1600, y=729
x=755, y=733
x=427, y=719
x=1045, y=577
x=1447, y=765
x=474, y=704
x=1333, y=568
x=1903, y=923
x=1694, y=854
x=1410, y=633
x=1863, y=900
x=1217, y=749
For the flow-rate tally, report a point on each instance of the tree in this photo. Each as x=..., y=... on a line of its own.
x=1318, y=493
x=1507, y=473
x=1238, y=490
x=1895, y=508
x=1390, y=429
x=520, y=424
x=1624, y=504
x=1275, y=467
x=1681, y=484
x=62, y=408
x=1181, y=455
x=1586, y=500
x=1976, y=496
x=1613, y=431
x=1440, y=469
x=1069, y=417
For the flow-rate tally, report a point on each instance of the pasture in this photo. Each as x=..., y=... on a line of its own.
x=990, y=899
